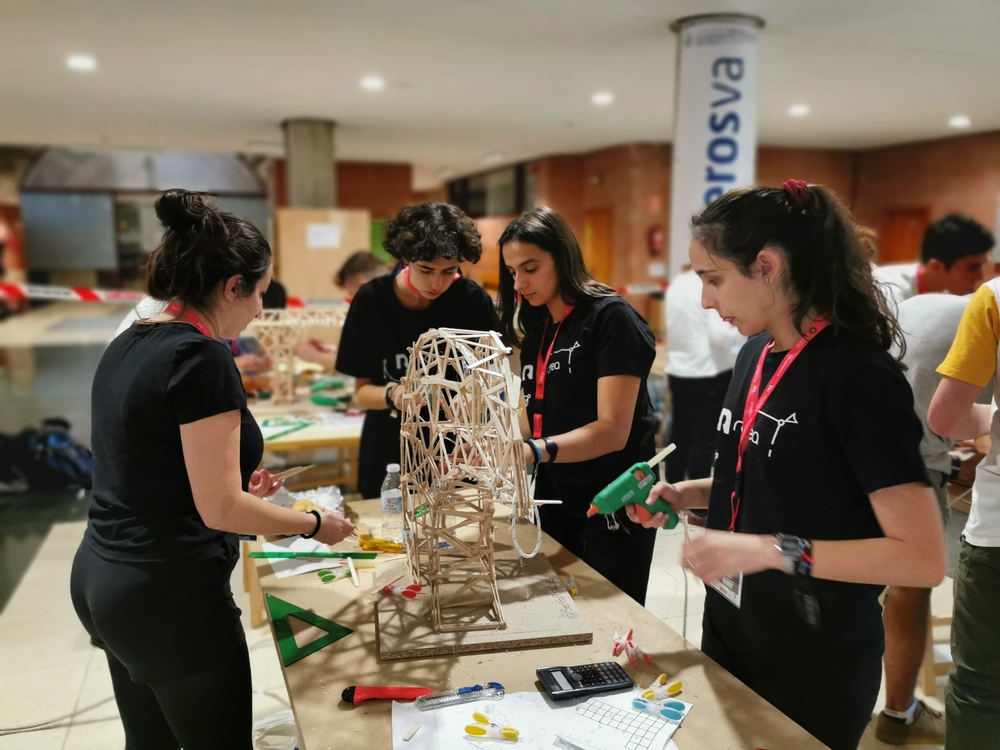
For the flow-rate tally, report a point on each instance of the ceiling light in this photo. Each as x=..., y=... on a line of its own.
x=602, y=98
x=798, y=110
x=372, y=83
x=81, y=62
x=494, y=157
x=959, y=121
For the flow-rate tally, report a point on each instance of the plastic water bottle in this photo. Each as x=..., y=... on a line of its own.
x=392, y=505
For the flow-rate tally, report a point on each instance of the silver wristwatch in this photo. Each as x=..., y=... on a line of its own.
x=791, y=548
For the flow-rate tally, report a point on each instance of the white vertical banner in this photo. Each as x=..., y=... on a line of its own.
x=715, y=133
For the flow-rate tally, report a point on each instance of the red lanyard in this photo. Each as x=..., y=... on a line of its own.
x=174, y=308
x=541, y=366
x=756, y=400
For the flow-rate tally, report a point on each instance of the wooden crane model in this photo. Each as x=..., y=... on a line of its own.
x=461, y=453
x=278, y=331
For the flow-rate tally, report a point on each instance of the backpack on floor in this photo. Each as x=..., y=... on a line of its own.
x=44, y=458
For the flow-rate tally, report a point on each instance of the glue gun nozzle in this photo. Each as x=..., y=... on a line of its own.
x=593, y=510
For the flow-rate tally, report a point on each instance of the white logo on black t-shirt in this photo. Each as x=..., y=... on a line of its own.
x=402, y=365
x=790, y=419
x=569, y=360
x=726, y=418
x=528, y=372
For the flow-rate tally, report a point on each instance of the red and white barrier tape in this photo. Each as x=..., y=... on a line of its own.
x=66, y=293
x=83, y=294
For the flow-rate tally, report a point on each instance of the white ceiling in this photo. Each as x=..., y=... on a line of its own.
x=470, y=77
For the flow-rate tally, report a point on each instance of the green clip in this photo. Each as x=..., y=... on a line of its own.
x=290, y=651
x=328, y=576
x=256, y=555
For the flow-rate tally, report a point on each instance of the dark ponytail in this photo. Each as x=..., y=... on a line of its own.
x=201, y=248
x=827, y=270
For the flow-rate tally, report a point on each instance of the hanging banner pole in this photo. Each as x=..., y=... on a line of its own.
x=715, y=118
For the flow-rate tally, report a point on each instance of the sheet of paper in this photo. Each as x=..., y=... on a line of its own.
x=323, y=236
x=538, y=720
x=285, y=568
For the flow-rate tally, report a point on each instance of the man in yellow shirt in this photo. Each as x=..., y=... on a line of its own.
x=973, y=704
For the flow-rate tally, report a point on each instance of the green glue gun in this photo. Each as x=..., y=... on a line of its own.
x=633, y=487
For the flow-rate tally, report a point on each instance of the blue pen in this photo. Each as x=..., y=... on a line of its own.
x=462, y=695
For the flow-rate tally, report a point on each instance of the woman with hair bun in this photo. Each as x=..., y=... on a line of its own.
x=819, y=498
x=389, y=313
x=175, y=453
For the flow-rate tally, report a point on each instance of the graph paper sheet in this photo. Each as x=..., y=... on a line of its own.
x=599, y=725
x=542, y=723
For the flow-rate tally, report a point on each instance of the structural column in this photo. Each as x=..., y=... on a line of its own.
x=309, y=158
x=715, y=118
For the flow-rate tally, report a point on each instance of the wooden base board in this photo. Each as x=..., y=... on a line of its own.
x=536, y=606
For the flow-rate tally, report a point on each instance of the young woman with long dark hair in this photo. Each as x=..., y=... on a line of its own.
x=819, y=497
x=389, y=313
x=585, y=356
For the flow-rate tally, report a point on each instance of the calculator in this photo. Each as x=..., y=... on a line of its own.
x=574, y=682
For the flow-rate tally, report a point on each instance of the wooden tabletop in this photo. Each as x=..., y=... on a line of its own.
x=344, y=431
x=726, y=713
x=64, y=324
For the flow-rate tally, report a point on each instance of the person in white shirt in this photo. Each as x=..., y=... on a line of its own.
x=953, y=259
x=701, y=352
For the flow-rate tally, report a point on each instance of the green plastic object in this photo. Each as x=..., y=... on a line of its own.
x=633, y=487
x=290, y=651
x=321, y=400
x=325, y=385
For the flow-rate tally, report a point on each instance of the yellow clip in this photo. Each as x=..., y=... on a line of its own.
x=487, y=730
x=570, y=583
x=660, y=689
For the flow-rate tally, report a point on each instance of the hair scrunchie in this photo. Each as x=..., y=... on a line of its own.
x=799, y=192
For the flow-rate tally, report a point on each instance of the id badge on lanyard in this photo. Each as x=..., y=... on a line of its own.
x=541, y=367
x=731, y=587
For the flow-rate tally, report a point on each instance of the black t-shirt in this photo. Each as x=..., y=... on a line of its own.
x=603, y=336
x=839, y=425
x=152, y=379
x=375, y=343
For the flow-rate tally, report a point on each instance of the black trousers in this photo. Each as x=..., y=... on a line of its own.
x=696, y=404
x=831, y=697
x=175, y=648
x=623, y=556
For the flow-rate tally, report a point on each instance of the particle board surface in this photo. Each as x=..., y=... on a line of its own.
x=538, y=610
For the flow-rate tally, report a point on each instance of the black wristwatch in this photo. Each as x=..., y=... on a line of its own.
x=319, y=522
x=552, y=447
x=388, y=395
x=792, y=549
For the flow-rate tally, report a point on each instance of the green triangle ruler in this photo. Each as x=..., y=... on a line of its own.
x=291, y=652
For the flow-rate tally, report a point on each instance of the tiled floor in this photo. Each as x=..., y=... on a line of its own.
x=50, y=669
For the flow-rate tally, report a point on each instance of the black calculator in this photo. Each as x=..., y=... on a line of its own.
x=575, y=682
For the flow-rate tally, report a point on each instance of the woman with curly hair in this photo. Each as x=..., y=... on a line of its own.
x=389, y=313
